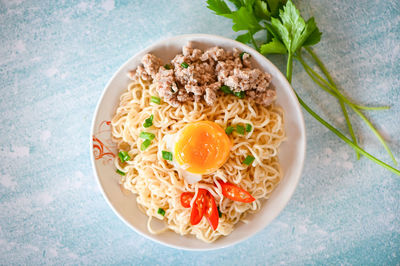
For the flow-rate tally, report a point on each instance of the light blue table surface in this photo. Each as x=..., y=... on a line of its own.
x=57, y=56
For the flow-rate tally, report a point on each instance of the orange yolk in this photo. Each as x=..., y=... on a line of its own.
x=202, y=147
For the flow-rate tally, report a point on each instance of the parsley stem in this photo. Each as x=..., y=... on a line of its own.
x=344, y=138
x=349, y=126
x=334, y=91
x=342, y=106
x=289, y=67
x=320, y=64
x=254, y=42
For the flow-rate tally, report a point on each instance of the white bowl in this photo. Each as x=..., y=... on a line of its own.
x=103, y=151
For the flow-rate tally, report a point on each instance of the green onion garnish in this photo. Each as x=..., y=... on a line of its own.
x=226, y=89
x=148, y=122
x=167, y=155
x=184, y=65
x=241, y=55
x=146, y=143
x=167, y=66
x=147, y=135
x=240, y=94
x=120, y=172
x=155, y=99
x=219, y=212
x=248, y=160
x=240, y=129
x=161, y=211
x=229, y=130
x=124, y=156
x=248, y=127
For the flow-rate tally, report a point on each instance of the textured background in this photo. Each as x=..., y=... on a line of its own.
x=57, y=56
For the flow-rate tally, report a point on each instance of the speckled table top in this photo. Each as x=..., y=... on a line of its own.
x=57, y=56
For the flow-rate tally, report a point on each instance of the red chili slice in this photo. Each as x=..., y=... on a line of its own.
x=211, y=211
x=198, y=207
x=236, y=193
x=186, y=198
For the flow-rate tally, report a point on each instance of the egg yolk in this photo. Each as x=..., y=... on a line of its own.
x=202, y=147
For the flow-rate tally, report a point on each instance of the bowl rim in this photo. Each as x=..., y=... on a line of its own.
x=302, y=127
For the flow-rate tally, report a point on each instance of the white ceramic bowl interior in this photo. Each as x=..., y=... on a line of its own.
x=103, y=151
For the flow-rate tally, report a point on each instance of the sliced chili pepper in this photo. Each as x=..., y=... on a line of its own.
x=186, y=198
x=211, y=211
x=198, y=207
x=236, y=193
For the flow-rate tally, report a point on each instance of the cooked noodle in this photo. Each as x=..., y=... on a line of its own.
x=158, y=183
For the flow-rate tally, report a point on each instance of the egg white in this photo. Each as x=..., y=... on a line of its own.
x=191, y=178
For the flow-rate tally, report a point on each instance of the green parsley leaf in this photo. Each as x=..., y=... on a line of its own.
x=226, y=89
x=273, y=47
x=229, y=130
x=261, y=9
x=314, y=37
x=124, y=156
x=167, y=155
x=282, y=32
x=120, y=172
x=244, y=38
x=292, y=28
x=161, y=211
x=219, y=7
x=237, y=3
x=274, y=6
x=249, y=127
x=248, y=160
x=147, y=135
x=155, y=99
x=272, y=31
x=145, y=144
x=244, y=19
x=148, y=122
x=240, y=129
x=310, y=27
x=167, y=66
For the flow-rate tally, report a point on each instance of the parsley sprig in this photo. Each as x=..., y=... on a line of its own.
x=289, y=33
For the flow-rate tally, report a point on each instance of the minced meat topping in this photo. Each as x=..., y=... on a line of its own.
x=195, y=75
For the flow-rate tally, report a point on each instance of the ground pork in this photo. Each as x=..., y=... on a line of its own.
x=194, y=75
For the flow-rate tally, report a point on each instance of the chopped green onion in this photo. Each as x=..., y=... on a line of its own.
x=226, y=89
x=120, y=172
x=147, y=135
x=184, y=65
x=155, y=99
x=124, y=156
x=229, y=130
x=161, y=211
x=167, y=155
x=240, y=129
x=240, y=94
x=148, y=122
x=219, y=212
x=167, y=66
x=146, y=143
x=241, y=55
x=248, y=127
x=248, y=160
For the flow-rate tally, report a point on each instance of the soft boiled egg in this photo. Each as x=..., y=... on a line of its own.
x=199, y=148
